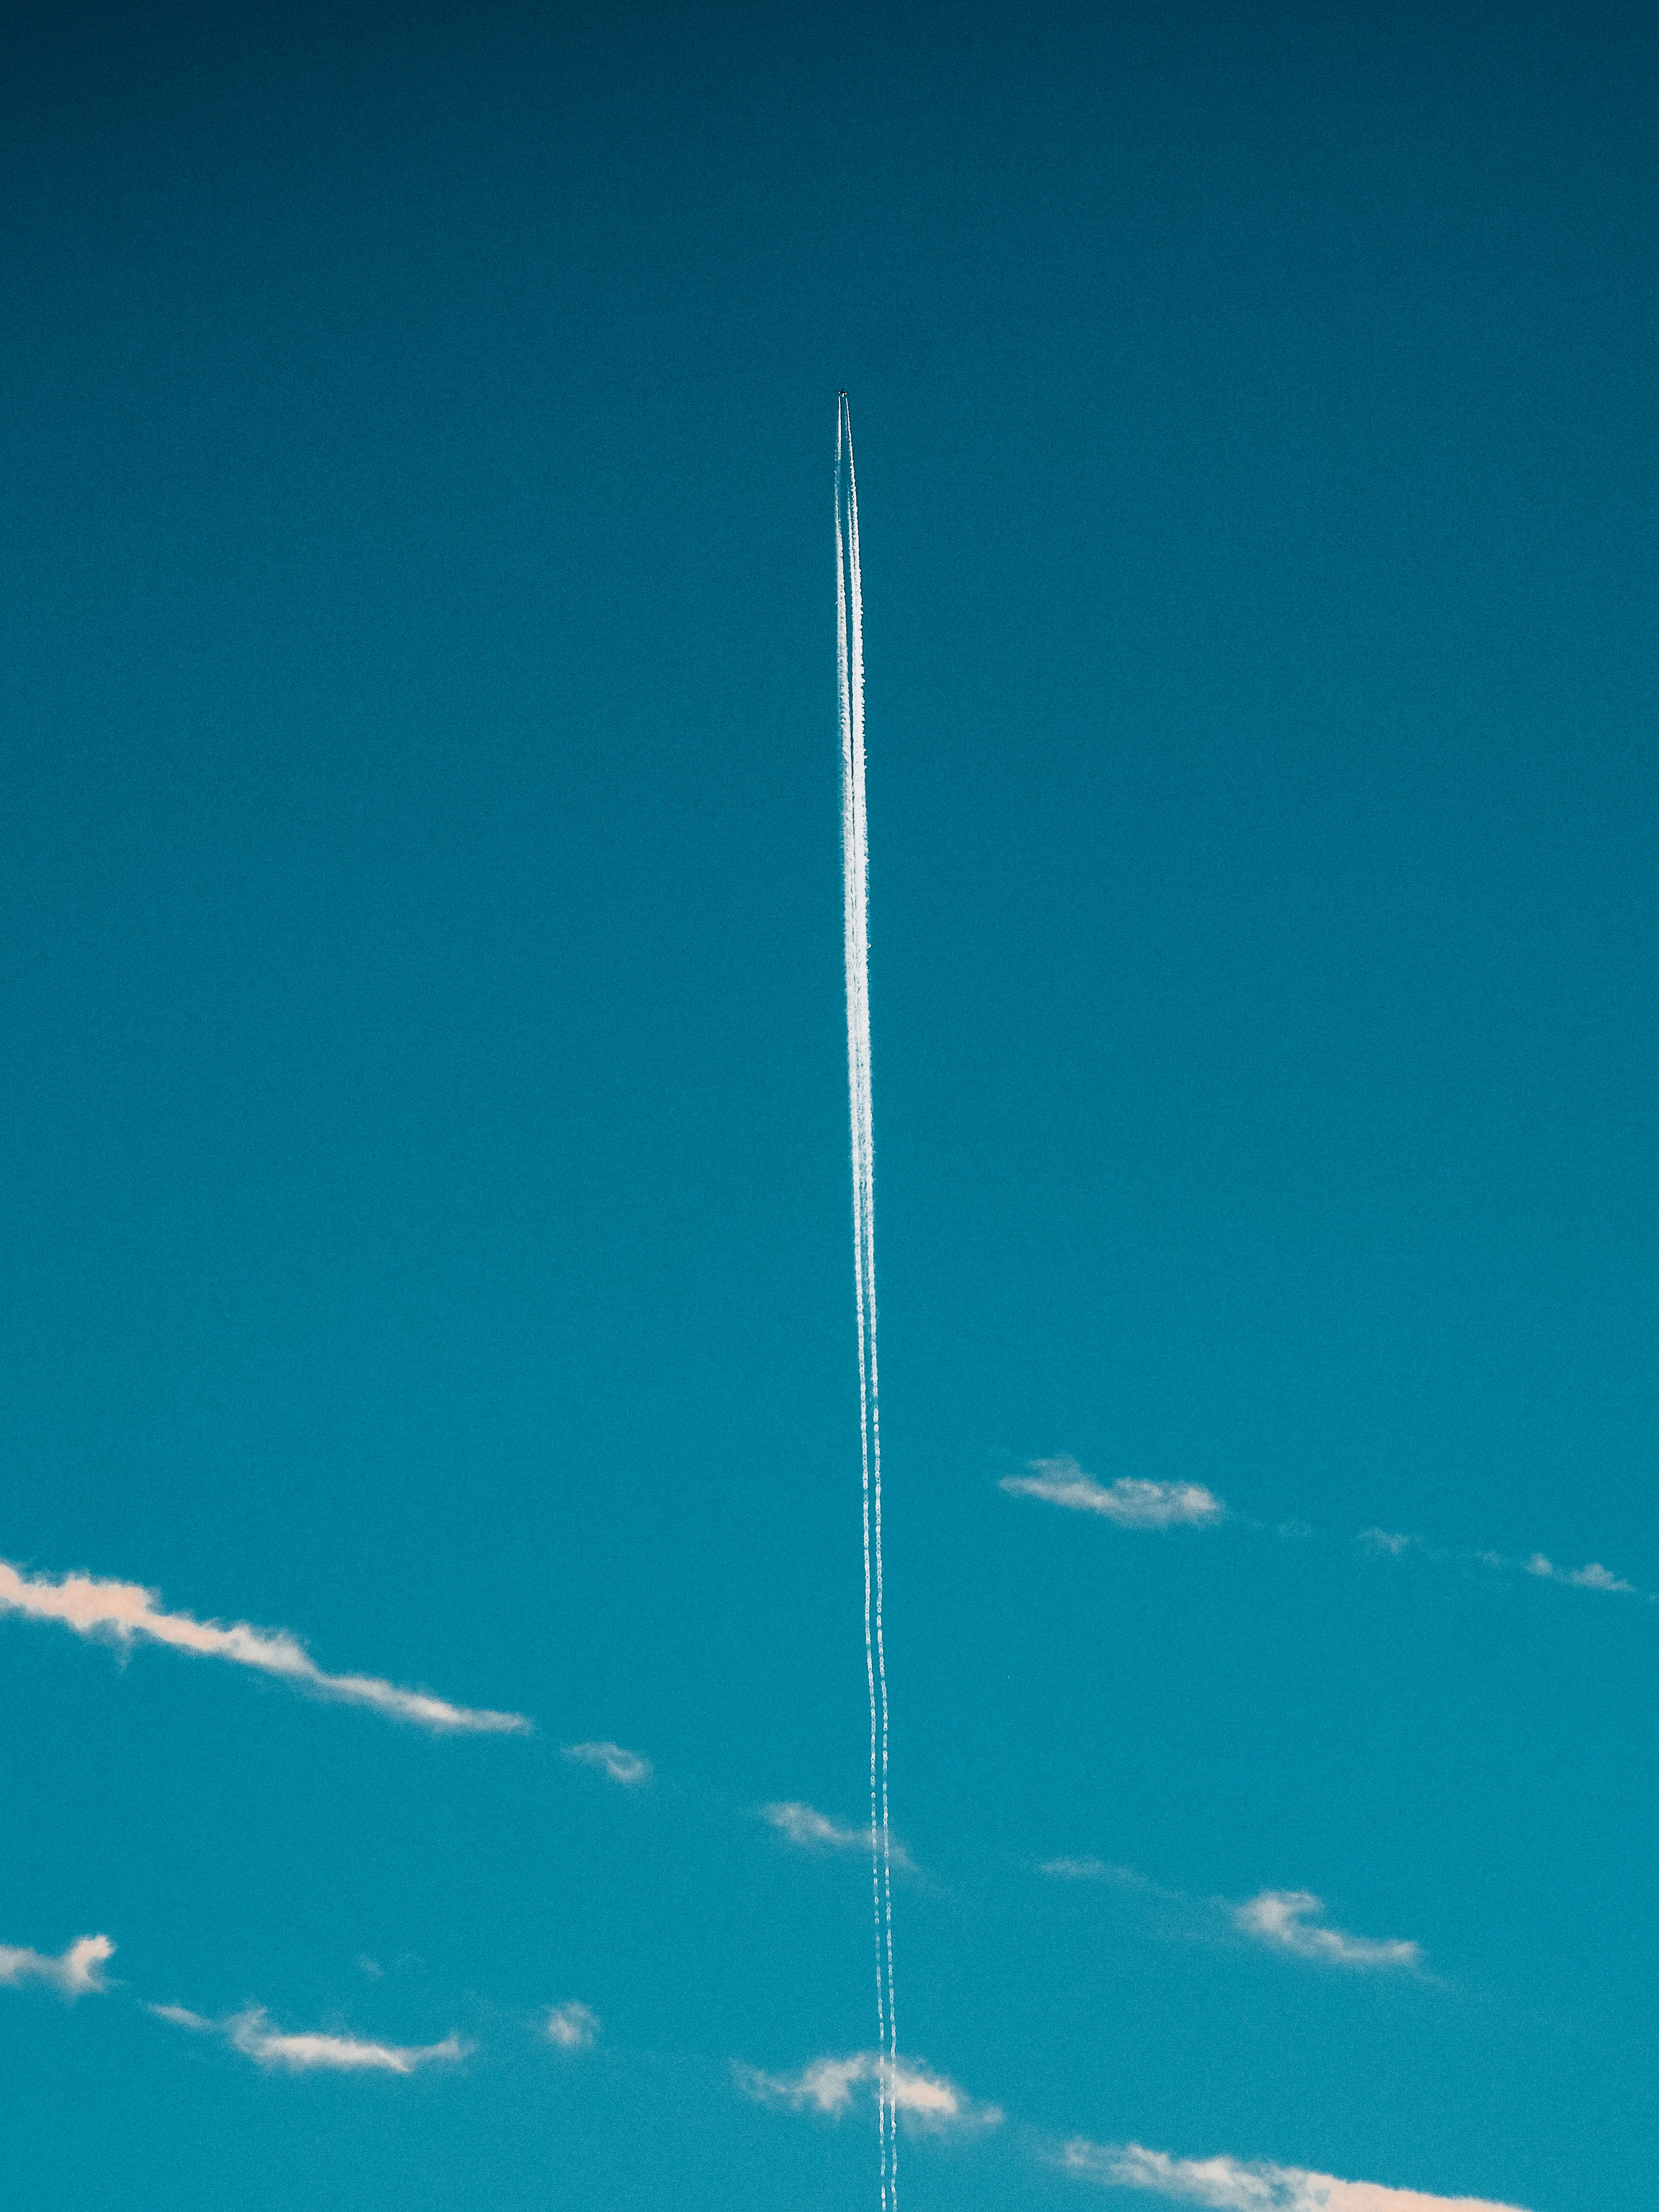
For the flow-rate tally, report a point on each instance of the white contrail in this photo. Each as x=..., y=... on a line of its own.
x=855, y=872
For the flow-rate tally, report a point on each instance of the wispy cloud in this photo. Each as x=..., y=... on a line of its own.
x=1091, y=1869
x=1136, y=1504
x=252, y=2035
x=1231, y=2184
x=624, y=1766
x=1281, y=1918
x=124, y=1613
x=812, y=1831
x=1595, y=1577
x=1131, y=1503
x=573, y=2026
x=1386, y=1541
x=337, y=2054
x=927, y=2100
x=251, y=2032
x=76, y=1973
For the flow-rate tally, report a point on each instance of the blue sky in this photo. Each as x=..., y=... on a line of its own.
x=431, y=1624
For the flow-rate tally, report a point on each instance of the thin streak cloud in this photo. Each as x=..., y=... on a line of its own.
x=1281, y=1918
x=1230, y=2184
x=250, y=2033
x=76, y=1973
x=1384, y=1543
x=1093, y=1869
x=125, y=1612
x=1131, y=1503
x=626, y=1767
x=336, y=2054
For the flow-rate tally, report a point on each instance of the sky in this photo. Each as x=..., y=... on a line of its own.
x=431, y=1654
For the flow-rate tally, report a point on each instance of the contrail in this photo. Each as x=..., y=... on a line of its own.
x=855, y=887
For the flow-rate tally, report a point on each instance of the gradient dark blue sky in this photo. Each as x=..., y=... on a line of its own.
x=425, y=1190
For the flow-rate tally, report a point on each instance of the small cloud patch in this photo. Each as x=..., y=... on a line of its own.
x=1281, y=1918
x=627, y=1767
x=76, y=1973
x=1385, y=1543
x=572, y=2027
x=1130, y=1503
x=926, y=2100
x=1595, y=1577
x=808, y=1830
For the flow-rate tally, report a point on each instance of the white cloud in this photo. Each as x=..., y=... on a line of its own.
x=624, y=1766
x=1280, y=1917
x=122, y=1612
x=813, y=1831
x=1596, y=1577
x=1382, y=1540
x=1593, y=1576
x=573, y=2026
x=251, y=2032
x=338, y=2054
x=1230, y=2184
x=927, y=2100
x=1131, y=1503
x=73, y=1974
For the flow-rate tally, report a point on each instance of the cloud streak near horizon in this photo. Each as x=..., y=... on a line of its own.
x=1130, y=1503
x=125, y=1612
x=1230, y=2184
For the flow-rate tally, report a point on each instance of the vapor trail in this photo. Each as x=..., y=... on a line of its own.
x=855, y=887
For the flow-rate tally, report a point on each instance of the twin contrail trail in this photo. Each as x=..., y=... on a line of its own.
x=855, y=886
